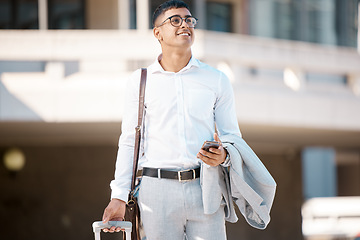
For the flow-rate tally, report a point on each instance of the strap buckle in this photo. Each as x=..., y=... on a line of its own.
x=193, y=175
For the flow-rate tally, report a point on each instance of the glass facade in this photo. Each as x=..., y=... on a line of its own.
x=319, y=172
x=132, y=14
x=329, y=22
x=219, y=16
x=19, y=14
x=66, y=14
x=23, y=14
x=346, y=22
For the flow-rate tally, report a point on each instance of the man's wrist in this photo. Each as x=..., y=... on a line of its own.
x=117, y=200
x=226, y=162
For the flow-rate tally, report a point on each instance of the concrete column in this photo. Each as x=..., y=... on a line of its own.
x=319, y=172
x=142, y=14
x=200, y=13
x=55, y=70
x=124, y=14
x=241, y=73
x=354, y=81
x=43, y=15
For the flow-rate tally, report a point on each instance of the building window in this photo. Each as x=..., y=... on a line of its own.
x=132, y=14
x=24, y=14
x=219, y=16
x=19, y=14
x=261, y=18
x=283, y=19
x=329, y=79
x=5, y=14
x=347, y=22
x=328, y=22
x=66, y=14
x=321, y=18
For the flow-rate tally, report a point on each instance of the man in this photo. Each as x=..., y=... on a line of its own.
x=184, y=100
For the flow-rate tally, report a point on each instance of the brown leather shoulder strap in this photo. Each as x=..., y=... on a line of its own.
x=138, y=127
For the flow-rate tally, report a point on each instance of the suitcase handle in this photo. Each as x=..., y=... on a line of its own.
x=98, y=225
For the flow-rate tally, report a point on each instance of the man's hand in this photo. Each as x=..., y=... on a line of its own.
x=115, y=211
x=215, y=156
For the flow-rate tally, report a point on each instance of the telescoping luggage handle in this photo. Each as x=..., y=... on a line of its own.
x=99, y=225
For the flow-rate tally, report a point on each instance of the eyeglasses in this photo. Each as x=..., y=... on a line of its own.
x=177, y=21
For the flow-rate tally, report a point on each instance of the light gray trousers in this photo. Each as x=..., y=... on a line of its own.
x=173, y=210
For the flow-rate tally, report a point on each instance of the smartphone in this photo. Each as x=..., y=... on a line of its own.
x=210, y=144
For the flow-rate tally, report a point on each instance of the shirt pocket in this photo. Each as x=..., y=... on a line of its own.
x=201, y=103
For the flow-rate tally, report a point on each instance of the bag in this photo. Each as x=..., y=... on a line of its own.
x=132, y=211
x=132, y=214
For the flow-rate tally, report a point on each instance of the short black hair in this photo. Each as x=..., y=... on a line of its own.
x=166, y=6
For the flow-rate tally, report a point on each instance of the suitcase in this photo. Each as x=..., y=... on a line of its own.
x=99, y=225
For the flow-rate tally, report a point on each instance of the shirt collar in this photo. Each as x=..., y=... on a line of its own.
x=157, y=68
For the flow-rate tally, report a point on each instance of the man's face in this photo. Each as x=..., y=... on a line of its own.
x=168, y=35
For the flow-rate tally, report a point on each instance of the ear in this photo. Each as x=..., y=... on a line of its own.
x=157, y=33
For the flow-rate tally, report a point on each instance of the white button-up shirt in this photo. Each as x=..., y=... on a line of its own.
x=181, y=110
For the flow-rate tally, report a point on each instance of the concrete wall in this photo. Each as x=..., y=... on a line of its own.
x=105, y=58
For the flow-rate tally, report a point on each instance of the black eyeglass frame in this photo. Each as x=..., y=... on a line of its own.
x=182, y=20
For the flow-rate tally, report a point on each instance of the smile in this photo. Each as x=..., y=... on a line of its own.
x=184, y=34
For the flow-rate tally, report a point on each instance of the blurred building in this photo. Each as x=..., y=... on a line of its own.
x=295, y=70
